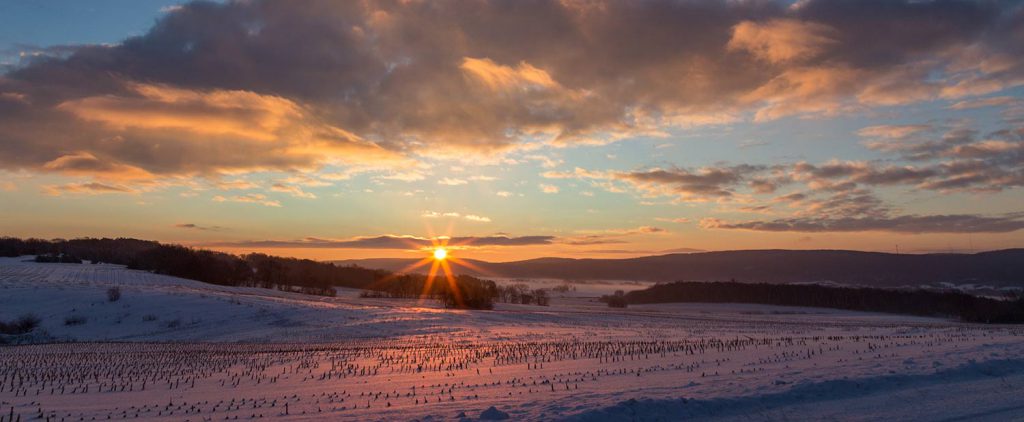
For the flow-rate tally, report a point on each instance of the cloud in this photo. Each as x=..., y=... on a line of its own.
x=546, y=188
x=86, y=164
x=545, y=161
x=985, y=102
x=174, y=130
x=645, y=251
x=590, y=240
x=470, y=217
x=751, y=143
x=435, y=214
x=781, y=40
x=452, y=181
x=702, y=184
x=912, y=224
x=841, y=194
x=192, y=226
x=235, y=185
x=650, y=229
x=609, y=236
x=944, y=160
x=892, y=131
x=677, y=220
x=390, y=242
x=865, y=173
x=957, y=160
x=805, y=91
x=252, y=198
x=91, y=188
x=523, y=77
x=305, y=181
x=405, y=176
x=220, y=88
x=292, y=190
x=577, y=172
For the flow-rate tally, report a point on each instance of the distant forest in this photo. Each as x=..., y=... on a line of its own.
x=251, y=270
x=914, y=302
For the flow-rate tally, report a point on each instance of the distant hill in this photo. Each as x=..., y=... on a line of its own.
x=997, y=268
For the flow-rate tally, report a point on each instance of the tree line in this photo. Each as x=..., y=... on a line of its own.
x=250, y=270
x=462, y=291
x=967, y=307
x=474, y=292
x=521, y=293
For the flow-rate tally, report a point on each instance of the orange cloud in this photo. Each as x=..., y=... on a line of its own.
x=505, y=78
x=86, y=164
x=92, y=188
x=781, y=40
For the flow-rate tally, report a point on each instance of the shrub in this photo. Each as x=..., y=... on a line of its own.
x=540, y=296
x=22, y=325
x=114, y=294
x=617, y=302
x=564, y=288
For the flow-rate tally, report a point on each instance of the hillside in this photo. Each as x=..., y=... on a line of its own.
x=996, y=268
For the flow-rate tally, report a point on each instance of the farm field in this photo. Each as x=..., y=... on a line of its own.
x=175, y=349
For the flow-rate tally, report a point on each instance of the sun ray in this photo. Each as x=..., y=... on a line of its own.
x=452, y=284
x=395, y=274
x=464, y=263
x=429, y=282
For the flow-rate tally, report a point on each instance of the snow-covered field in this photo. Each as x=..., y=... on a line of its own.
x=174, y=349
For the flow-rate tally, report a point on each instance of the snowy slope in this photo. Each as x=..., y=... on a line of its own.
x=348, y=358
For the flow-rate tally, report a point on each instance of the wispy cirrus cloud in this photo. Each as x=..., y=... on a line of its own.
x=92, y=188
x=452, y=214
x=1000, y=101
x=193, y=226
x=609, y=236
x=292, y=190
x=687, y=184
x=915, y=224
x=251, y=198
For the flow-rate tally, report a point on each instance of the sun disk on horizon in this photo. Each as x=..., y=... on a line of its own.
x=440, y=254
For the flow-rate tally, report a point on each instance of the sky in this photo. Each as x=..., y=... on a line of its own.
x=518, y=129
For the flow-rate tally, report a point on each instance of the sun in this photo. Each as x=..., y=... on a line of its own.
x=440, y=254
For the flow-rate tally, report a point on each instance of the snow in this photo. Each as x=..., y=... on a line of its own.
x=493, y=414
x=867, y=398
x=175, y=349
